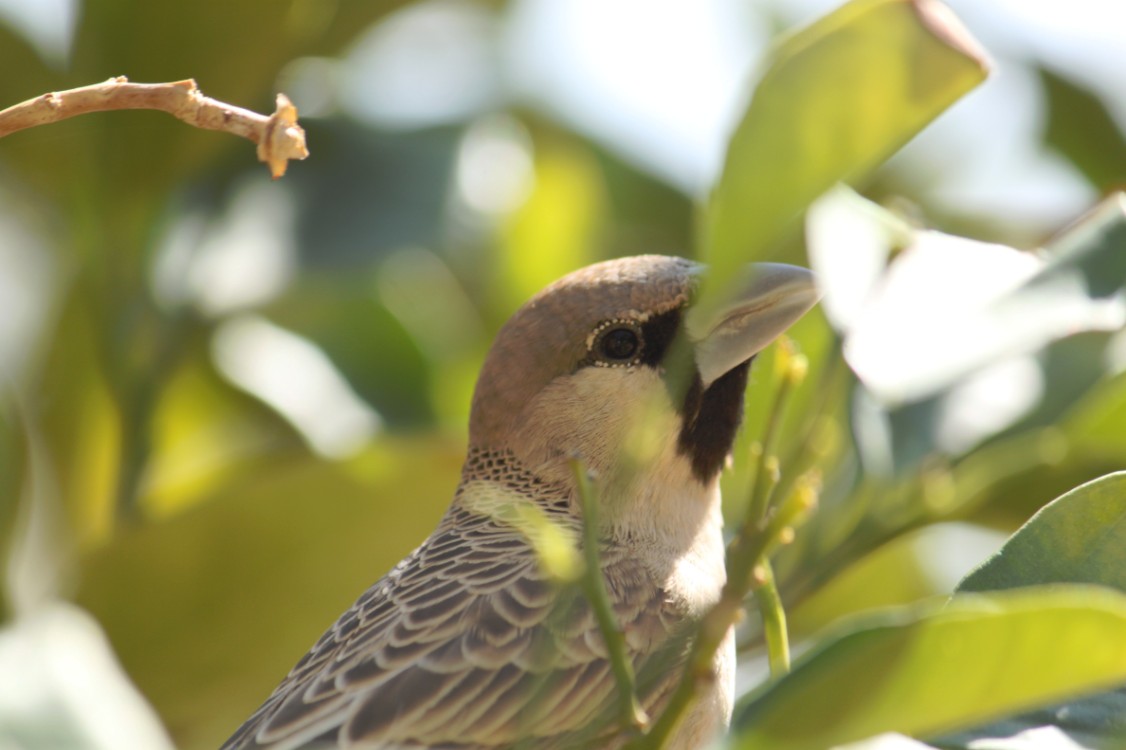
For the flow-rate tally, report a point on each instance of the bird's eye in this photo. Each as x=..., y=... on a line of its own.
x=619, y=344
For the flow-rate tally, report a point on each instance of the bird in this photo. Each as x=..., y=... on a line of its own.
x=470, y=643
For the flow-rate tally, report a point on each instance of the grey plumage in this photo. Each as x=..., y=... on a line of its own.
x=466, y=644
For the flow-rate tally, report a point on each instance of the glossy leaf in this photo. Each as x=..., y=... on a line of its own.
x=1079, y=538
x=836, y=98
x=1005, y=306
x=922, y=671
x=843, y=219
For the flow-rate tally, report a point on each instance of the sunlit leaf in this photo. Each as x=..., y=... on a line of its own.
x=1099, y=423
x=922, y=671
x=950, y=306
x=207, y=433
x=849, y=240
x=890, y=576
x=836, y=98
x=1078, y=538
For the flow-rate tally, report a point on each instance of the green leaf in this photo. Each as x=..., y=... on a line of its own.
x=921, y=671
x=1084, y=132
x=17, y=53
x=837, y=98
x=842, y=218
x=891, y=575
x=1078, y=538
x=915, y=342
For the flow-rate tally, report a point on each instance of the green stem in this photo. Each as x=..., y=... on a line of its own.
x=763, y=528
x=631, y=715
x=791, y=370
x=711, y=633
x=773, y=621
x=803, y=453
x=760, y=489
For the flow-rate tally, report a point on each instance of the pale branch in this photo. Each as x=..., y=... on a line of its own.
x=278, y=135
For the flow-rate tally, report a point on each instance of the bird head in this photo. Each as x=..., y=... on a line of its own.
x=611, y=366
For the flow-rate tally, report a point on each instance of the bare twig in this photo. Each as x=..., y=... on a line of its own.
x=278, y=135
x=630, y=713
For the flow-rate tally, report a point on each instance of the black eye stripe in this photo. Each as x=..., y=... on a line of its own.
x=624, y=342
x=658, y=333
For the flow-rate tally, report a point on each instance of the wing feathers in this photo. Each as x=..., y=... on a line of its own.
x=465, y=645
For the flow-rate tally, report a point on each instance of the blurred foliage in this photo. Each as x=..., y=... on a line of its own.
x=1082, y=129
x=258, y=544
x=213, y=537
x=918, y=672
x=804, y=131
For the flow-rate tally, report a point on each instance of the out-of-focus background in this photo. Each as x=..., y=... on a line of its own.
x=227, y=405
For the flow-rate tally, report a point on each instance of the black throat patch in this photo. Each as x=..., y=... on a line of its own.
x=711, y=416
x=711, y=419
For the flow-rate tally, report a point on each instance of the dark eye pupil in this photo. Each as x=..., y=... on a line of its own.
x=621, y=343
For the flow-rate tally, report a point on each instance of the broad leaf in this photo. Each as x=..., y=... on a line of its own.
x=951, y=306
x=922, y=671
x=1079, y=538
x=1082, y=129
x=837, y=98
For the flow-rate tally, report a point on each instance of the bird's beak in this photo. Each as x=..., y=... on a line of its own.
x=771, y=298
